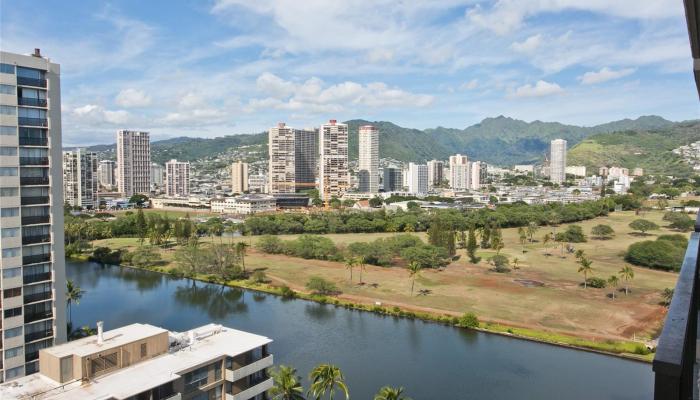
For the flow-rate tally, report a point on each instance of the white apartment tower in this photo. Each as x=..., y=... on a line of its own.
x=369, y=159
x=475, y=180
x=133, y=162
x=157, y=176
x=436, y=173
x=177, y=178
x=418, y=178
x=460, y=172
x=557, y=161
x=106, y=174
x=80, y=178
x=239, y=177
x=282, y=159
x=333, y=148
x=31, y=212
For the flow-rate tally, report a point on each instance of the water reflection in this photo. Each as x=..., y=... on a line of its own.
x=319, y=312
x=144, y=280
x=216, y=301
x=259, y=297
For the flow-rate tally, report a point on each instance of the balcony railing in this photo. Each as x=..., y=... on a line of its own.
x=32, y=102
x=37, y=316
x=34, y=297
x=674, y=362
x=33, y=239
x=33, y=161
x=26, y=121
x=24, y=81
x=30, y=337
x=33, y=180
x=36, y=258
x=36, y=219
x=31, y=200
x=33, y=141
x=33, y=278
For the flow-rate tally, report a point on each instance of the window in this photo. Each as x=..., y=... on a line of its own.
x=32, y=113
x=7, y=68
x=8, y=110
x=11, y=252
x=9, y=232
x=30, y=73
x=9, y=192
x=8, y=151
x=144, y=350
x=217, y=371
x=14, y=292
x=9, y=212
x=196, y=378
x=13, y=372
x=11, y=272
x=13, y=332
x=13, y=352
x=13, y=312
x=7, y=89
x=7, y=130
x=32, y=152
x=8, y=171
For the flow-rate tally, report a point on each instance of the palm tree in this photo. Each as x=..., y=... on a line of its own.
x=361, y=264
x=390, y=393
x=287, y=384
x=515, y=263
x=240, y=251
x=545, y=241
x=585, y=268
x=613, y=281
x=413, y=270
x=326, y=379
x=627, y=274
x=73, y=295
x=350, y=264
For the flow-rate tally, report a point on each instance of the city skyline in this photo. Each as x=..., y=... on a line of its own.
x=634, y=63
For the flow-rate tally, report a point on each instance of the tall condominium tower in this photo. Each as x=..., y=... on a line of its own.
x=557, y=163
x=239, y=177
x=305, y=159
x=333, y=149
x=106, y=173
x=157, y=176
x=177, y=178
x=282, y=170
x=393, y=179
x=31, y=212
x=460, y=174
x=418, y=178
x=369, y=159
x=80, y=178
x=436, y=173
x=475, y=179
x=133, y=162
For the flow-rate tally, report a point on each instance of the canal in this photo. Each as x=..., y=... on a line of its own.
x=431, y=361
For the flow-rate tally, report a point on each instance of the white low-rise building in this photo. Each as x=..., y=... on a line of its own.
x=245, y=204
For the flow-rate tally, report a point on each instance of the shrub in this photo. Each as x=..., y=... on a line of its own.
x=500, y=263
x=595, y=282
x=105, y=255
x=258, y=277
x=145, y=256
x=287, y=292
x=572, y=234
x=270, y=244
x=602, y=232
x=643, y=225
x=426, y=256
x=641, y=350
x=662, y=254
x=468, y=320
x=321, y=286
x=679, y=221
x=677, y=240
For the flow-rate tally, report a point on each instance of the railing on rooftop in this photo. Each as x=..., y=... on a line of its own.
x=674, y=362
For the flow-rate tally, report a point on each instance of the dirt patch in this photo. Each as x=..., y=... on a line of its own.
x=529, y=282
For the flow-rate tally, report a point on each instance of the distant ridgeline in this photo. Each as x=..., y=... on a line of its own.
x=500, y=140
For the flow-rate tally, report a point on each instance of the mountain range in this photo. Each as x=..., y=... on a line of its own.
x=500, y=140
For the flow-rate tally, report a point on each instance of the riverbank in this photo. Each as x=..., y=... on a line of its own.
x=626, y=349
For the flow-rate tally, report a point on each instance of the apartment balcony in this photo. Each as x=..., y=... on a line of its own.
x=36, y=297
x=36, y=219
x=250, y=369
x=31, y=102
x=44, y=161
x=37, y=316
x=33, y=200
x=255, y=388
x=34, y=239
x=36, y=82
x=31, y=368
x=30, y=337
x=34, y=278
x=36, y=258
x=33, y=180
x=29, y=357
x=26, y=121
x=33, y=141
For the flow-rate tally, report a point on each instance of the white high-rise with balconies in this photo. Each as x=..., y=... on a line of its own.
x=417, y=178
x=436, y=173
x=369, y=159
x=333, y=148
x=106, y=173
x=281, y=166
x=239, y=177
x=460, y=172
x=177, y=178
x=31, y=212
x=557, y=161
x=475, y=180
x=133, y=162
x=80, y=178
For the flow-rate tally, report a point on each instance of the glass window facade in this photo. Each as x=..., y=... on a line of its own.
x=7, y=89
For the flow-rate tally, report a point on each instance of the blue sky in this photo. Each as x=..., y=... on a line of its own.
x=211, y=68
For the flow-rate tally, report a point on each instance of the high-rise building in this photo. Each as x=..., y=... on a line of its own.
x=133, y=162
x=305, y=159
x=106, y=174
x=177, y=178
x=460, y=172
x=141, y=361
x=418, y=178
x=483, y=172
x=239, y=177
x=475, y=180
x=334, y=175
x=157, y=176
x=31, y=212
x=369, y=159
x=557, y=161
x=80, y=178
x=393, y=179
x=435, y=173
x=282, y=168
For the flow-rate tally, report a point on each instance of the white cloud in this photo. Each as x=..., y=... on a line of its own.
x=528, y=45
x=471, y=85
x=605, y=74
x=541, y=88
x=132, y=98
x=94, y=114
